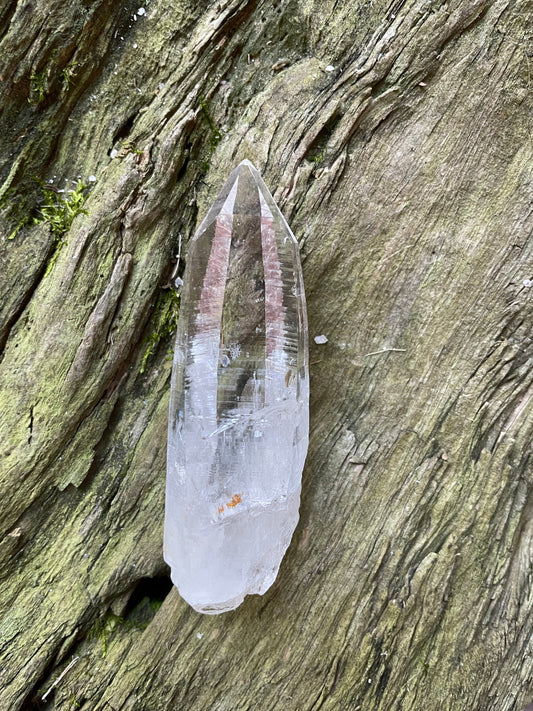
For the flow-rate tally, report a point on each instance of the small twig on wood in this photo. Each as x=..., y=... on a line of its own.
x=385, y=350
x=56, y=682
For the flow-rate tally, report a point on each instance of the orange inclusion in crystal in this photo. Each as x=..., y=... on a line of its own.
x=235, y=499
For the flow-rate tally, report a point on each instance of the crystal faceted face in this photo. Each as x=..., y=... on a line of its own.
x=239, y=406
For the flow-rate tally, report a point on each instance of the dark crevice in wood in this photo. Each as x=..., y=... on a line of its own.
x=6, y=16
x=148, y=592
x=125, y=129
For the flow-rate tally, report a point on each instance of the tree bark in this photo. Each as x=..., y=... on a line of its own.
x=396, y=139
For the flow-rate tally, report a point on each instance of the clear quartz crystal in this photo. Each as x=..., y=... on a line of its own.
x=239, y=406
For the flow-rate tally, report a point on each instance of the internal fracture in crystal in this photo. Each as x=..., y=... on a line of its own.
x=239, y=407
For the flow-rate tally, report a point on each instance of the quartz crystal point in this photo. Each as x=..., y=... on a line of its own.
x=239, y=405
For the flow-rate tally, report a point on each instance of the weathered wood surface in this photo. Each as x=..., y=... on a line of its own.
x=405, y=172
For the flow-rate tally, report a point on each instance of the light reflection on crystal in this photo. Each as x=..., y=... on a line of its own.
x=238, y=428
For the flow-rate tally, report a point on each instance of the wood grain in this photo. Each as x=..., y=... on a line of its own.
x=397, y=141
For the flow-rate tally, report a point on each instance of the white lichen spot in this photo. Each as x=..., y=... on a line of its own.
x=141, y=11
x=329, y=68
x=527, y=283
x=320, y=340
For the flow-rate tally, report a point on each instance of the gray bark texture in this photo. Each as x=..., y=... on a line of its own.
x=396, y=138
